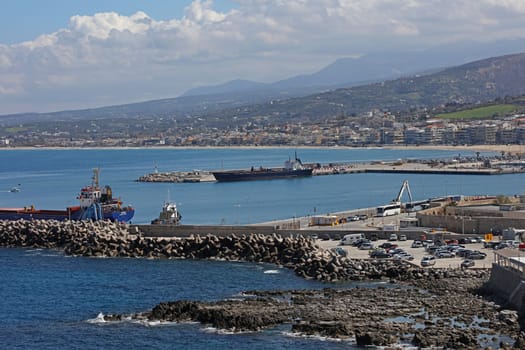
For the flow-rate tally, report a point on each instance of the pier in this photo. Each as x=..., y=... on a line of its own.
x=485, y=166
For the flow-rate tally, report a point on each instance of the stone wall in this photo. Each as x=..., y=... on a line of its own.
x=470, y=225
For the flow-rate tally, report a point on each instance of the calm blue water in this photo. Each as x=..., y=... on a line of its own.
x=47, y=299
x=52, y=179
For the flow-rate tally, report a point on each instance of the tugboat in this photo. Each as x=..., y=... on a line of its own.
x=168, y=216
x=95, y=204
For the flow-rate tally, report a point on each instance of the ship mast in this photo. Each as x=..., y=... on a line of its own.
x=94, y=178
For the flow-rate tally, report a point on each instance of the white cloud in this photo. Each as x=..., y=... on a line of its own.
x=139, y=57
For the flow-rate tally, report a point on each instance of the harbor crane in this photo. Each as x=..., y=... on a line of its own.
x=401, y=191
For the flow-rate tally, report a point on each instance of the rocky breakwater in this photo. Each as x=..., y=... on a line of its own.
x=114, y=240
x=85, y=238
x=60, y=234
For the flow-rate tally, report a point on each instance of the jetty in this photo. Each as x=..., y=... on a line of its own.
x=456, y=166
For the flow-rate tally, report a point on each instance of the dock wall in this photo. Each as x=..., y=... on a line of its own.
x=509, y=285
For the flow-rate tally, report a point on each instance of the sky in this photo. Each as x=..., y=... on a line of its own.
x=73, y=54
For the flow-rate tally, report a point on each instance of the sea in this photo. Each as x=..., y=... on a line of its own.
x=52, y=301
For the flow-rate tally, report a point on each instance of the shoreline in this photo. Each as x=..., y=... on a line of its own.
x=513, y=149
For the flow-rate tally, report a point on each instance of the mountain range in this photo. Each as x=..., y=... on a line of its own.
x=397, y=81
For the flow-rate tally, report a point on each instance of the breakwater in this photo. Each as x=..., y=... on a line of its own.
x=467, y=166
x=107, y=239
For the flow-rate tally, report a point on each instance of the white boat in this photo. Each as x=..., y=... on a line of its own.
x=168, y=216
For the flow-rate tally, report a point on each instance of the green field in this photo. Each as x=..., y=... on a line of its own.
x=15, y=129
x=480, y=113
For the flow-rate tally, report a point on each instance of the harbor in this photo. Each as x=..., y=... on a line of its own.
x=276, y=235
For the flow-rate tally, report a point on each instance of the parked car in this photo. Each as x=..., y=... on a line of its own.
x=359, y=242
x=393, y=237
x=403, y=237
x=324, y=236
x=379, y=254
x=388, y=245
x=463, y=252
x=428, y=260
x=416, y=244
x=339, y=251
x=490, y=244
x=467, y=263
x=403, y=256
x=366, y=246
x=476, y=255
x=444, y=254
x=363, y=216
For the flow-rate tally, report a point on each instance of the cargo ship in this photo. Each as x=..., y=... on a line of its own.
x=292, y=168
x=94, y=204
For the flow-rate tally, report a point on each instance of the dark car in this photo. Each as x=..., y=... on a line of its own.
x=476, y=255
x=467, y=263
x=379, y=254
x=490, y=244
x=324, y=236
x=388, y=245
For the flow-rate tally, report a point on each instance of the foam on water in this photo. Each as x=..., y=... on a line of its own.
x=97, y=320
x=349, y=340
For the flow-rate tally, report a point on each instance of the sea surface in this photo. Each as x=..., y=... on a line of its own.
x=51, y=301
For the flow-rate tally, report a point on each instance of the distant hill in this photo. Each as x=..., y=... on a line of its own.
x=336, y=89
x=475, y=82
x=373, y=67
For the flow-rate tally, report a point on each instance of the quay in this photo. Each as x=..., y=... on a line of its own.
x=485, y=166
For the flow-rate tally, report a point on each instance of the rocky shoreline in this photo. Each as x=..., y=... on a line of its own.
x=422, y=307
x=380, y=316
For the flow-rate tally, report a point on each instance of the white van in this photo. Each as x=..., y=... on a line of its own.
x=352, y=238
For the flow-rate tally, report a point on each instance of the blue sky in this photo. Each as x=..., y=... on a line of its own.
x=73, y=54
x=22, y=20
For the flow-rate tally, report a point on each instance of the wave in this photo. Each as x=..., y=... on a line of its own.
x=100, y=319
x=97, y=320
x=350, y=340
x=225, y=331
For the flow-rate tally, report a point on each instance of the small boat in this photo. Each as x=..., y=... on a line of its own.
x=15, y=189
x=168, y=216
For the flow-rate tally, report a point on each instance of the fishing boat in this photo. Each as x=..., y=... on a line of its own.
x=95, y=203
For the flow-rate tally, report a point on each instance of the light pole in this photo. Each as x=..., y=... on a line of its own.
x=237, y=206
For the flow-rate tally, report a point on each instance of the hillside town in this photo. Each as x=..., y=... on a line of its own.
x=373, y=128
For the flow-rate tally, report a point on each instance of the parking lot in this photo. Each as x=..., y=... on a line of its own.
x=417, y=253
